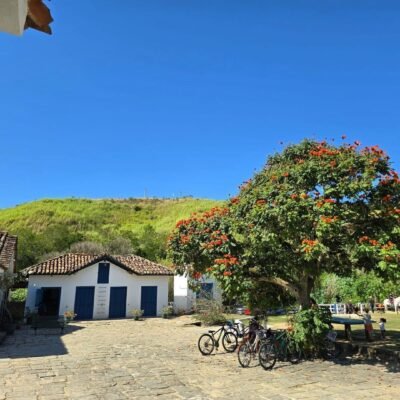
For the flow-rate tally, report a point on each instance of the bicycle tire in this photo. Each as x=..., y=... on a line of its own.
x=293, y=354
x=229, y=342
x=244, y=354
x=206, y=344
x=267, y=356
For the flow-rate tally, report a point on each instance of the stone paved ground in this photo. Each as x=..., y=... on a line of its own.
x=158, y=358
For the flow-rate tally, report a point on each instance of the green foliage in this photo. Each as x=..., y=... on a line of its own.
x=314, y=208
x=310, y=327
x=53, y=226
x=359, y=287
x=18, y=295
x=210, y=312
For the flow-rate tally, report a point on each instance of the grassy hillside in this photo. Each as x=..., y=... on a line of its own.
x=53, y=225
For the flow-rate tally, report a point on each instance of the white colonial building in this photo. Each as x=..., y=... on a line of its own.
x=185, y=298
x=97, y=286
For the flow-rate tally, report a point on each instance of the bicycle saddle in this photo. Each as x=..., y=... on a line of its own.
x=211, y=331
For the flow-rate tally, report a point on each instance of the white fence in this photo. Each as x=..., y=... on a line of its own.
x=341, y=308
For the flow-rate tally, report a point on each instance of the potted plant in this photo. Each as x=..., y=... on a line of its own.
x=136, y=314
x=69, y=316
x=167, y=311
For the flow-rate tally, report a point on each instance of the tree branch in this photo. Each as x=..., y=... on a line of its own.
x=293, y=289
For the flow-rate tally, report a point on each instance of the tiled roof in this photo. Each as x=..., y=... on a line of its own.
x=8, y=251
x=70, y=263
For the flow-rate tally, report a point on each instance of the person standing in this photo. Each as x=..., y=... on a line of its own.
x=382, y=322
x=367, y=324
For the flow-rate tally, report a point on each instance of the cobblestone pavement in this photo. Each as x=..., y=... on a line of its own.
x=158, y=358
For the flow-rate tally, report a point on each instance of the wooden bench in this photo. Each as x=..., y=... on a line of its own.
x=46, y=322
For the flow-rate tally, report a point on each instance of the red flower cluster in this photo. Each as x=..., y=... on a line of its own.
x=227, y=260
x=366, y=239
x=285, y=174
x=218, y=240
x=321, y=150
x=309, y=244
x=320, y=203
x=261, y=202
x=227, y=273
x=235, y=200
x=197, y=275
x=387, y=198
x=185, y=239
x=389, y=245
x=328, y=220
x=216, y=211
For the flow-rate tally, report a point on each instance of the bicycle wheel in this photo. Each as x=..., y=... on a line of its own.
x=206, y=344
x=244, y=354
x=267, y=355
x=229, y=342
x=292, y=352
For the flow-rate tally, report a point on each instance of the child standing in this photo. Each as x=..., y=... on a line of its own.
x=382, y=322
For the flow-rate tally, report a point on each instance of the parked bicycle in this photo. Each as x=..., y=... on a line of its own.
x=279, y=347
x=255, y=335
x=227, y=334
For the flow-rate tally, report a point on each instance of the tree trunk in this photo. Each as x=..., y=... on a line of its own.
x=301, y=291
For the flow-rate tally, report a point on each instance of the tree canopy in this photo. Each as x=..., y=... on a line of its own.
x=315, y=207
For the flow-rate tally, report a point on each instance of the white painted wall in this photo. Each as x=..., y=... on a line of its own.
x=185, y=298
x=88, y=277
x=13, y=15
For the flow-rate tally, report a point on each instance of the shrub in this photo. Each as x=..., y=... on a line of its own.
x=136, y=313
x=310, y=327
x=167, y=311
x=18, y=295
x=209, y=312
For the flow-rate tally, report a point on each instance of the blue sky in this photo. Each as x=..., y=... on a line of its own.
x=169, y=98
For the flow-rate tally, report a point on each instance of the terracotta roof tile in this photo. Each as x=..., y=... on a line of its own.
x=70, y=263
x=8, y=250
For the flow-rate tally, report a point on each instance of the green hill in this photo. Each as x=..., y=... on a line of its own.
x=50, y=225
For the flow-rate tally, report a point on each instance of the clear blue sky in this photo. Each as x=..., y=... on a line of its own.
x=189, y=97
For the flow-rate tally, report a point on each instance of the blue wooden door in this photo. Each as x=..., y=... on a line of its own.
x=84, y=301
x=117, y=302
x=148, y=301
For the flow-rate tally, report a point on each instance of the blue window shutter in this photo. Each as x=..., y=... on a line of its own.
x=103, y=273
x=39, y=297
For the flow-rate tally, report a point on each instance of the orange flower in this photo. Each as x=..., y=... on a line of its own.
x=293, y=196
x=261, y=202
x=227, y=273
x=387, y=198
x=363, y=239
x=197, y=275
x=285, y=174
x=304, y=196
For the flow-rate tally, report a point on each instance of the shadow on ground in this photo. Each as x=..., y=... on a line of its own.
x=46, y=342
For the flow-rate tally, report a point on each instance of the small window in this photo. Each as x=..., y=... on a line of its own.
x=103, y=273
x=206, y=291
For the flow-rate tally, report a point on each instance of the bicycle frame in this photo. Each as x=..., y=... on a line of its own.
x=221, y=331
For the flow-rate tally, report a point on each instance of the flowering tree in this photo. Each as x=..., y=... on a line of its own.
x=315, y=207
